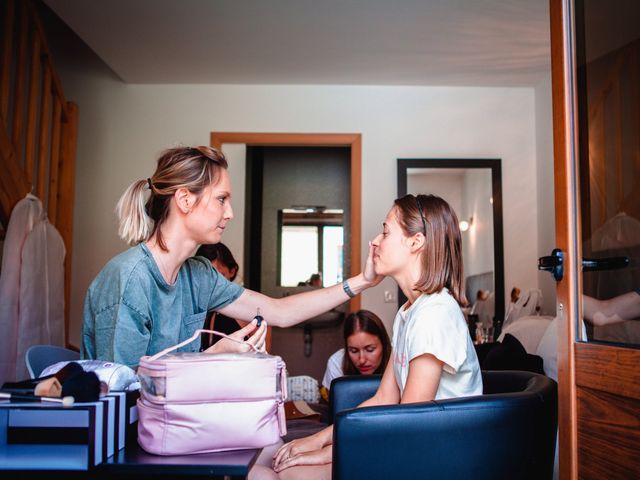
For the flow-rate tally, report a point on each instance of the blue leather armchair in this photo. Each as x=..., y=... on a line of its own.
x=507, y=433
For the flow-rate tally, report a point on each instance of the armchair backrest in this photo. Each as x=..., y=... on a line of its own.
x=509, y=432
x=349, y=391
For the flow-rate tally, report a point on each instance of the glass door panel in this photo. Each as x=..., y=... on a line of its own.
x=608, y=56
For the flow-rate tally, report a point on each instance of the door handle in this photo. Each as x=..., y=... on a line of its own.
x=607, y=263
x=553, y=264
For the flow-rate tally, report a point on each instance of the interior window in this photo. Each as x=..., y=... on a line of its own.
x=333, y=243
x=299, y=254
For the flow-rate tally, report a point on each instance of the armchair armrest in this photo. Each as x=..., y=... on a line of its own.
x=350, y=391
x=494, y=436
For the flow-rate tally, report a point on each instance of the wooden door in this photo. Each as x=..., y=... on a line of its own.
x=597, y=170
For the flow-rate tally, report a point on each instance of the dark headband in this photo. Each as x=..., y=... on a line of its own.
x=424, y=224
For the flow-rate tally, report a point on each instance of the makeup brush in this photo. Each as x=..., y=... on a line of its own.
x=83, y=386
x=65, y=401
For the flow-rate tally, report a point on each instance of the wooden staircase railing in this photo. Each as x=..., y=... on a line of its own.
x=38, y=127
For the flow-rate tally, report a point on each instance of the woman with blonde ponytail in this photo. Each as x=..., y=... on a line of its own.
x=156, y=293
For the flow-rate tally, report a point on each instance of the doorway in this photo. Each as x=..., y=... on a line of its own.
x=352, y=141
x=306, y=349
x=295, y=197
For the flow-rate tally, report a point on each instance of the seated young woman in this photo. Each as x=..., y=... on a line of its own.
x=433, y=355
x=366, y=349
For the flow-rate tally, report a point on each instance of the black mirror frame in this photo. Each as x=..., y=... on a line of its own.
x=496, y=189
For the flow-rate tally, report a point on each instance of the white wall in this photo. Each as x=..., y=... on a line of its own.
x=124, y=127
x=544, y=176
x=136, y=122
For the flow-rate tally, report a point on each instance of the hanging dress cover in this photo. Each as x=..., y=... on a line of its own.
x=31, y=287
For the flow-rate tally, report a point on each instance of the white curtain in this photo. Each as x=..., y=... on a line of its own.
x=31, y=287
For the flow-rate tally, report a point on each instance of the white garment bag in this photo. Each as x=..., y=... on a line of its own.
x=31, y=287
x=42, y=292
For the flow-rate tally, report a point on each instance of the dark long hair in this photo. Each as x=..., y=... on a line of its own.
x=221, y=253
x=369, y=322
x=442, y=255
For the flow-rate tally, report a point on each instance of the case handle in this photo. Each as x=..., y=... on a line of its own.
x=195, y=336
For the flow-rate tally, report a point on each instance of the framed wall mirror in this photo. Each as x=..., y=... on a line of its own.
x=310, y=246
x=473, y=187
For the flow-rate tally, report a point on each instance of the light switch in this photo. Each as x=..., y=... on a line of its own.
x=389, y=296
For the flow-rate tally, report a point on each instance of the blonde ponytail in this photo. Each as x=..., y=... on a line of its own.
x=134, y=223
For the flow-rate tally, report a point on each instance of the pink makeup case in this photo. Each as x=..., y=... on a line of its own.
x=210, y=402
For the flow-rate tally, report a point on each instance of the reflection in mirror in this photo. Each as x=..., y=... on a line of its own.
x=310, y=246
x=473, y=189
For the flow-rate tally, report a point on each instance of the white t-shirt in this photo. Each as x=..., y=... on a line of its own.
x=434, y=324
x=334, y=368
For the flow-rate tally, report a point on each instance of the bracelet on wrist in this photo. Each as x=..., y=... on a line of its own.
x=347, y=290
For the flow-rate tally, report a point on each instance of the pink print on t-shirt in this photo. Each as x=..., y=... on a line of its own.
x=400, y=359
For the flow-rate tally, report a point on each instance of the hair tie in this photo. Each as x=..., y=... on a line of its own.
x=150, y=184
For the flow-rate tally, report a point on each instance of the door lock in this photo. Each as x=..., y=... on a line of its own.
x=553, y=264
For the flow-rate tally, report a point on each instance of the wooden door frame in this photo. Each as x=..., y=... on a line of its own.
x=351, y=140
x=565, y=167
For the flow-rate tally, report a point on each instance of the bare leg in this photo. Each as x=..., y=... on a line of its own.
x=261, y=470
x=307, y=472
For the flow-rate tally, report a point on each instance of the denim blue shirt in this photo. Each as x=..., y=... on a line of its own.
x=131, y=311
